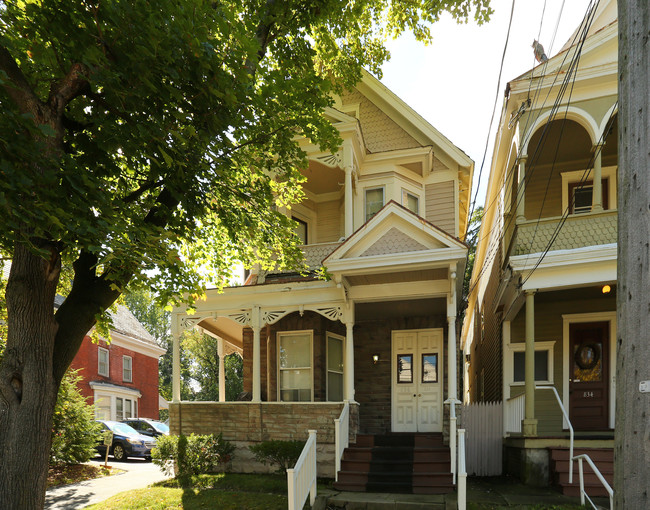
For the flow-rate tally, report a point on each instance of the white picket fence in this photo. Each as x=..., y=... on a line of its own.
x=301, y=479
x=515, y=412
x=341, y=437
x=483, y=422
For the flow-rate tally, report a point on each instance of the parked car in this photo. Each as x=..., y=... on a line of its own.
x=147, y=427
x=127, y=442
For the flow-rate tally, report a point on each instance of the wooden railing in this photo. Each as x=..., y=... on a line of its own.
x=341, y=437
x=515, y=412
x=301, y=479
x=461, y=487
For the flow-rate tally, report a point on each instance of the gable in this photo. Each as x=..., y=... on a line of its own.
x=394, y=241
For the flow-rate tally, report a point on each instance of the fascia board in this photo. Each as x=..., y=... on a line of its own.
x=136, y=345
x=399, y=154
x=424, y=259
x=557, y=258
x=401, y=290
x=114, y=389
x=604, y=72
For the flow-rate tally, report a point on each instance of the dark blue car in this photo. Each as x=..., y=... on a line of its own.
x=127, y=442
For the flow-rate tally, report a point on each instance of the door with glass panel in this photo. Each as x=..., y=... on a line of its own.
x=295, y=366
x=417, y=380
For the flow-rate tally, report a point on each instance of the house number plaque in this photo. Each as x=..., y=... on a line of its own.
x=588, y=394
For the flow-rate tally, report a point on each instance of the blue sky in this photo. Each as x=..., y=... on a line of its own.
x=452, y=83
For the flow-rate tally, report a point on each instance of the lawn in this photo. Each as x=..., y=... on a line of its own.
x=224, y=491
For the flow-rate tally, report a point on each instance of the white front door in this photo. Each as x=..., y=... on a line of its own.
x=416, y=376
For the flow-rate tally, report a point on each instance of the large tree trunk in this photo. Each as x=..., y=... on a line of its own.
x=28, y=388
x=632, y=453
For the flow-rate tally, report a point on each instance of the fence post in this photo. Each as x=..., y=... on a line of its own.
x=462, y=471
x=291, y=486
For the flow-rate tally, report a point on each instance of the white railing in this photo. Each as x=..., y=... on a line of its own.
x=341, y=437
x=462, y=472
x=515, y=413
x=301, y=479
x=566, y=417
x=600, y=476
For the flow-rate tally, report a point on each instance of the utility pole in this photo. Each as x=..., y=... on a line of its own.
x=632, y=451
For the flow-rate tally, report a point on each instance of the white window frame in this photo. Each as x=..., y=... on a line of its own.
x=329, y=335
x=130, y=369
x=301, y=332
x=607, y=173
x=101, y=350
x=521, y=347
x=365, y=199
x=405, y=195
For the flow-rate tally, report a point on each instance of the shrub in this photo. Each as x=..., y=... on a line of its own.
x=192, y=455
x=74, y=429
x=283, y=454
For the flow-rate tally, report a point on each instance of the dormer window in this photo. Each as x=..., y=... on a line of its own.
x=301, y=229
x=374, y=201
x=411, y=201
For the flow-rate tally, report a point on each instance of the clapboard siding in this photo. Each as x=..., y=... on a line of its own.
x=329, y=222
x=439, y=205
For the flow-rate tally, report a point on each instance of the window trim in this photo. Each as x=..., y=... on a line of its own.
x=328, y=335
x=306, y=224
x=365, y=200
x=99, y=362
x=301, y=332
x=539, y=346
x=572, y=178
x=130, y=358
x=405, y=195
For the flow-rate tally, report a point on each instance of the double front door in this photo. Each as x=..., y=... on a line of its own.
x=416, y=375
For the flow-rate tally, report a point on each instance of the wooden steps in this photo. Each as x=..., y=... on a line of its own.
x=398, y=463
x=602, y=457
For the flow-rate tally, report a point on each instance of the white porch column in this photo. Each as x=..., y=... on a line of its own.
x=257, y=372
x=597, y=195
x=521, y=189
x=349, y=216
x=452, y=365
x=222, y=371
x=176, y=361
x=348, y=366
x=529, y=425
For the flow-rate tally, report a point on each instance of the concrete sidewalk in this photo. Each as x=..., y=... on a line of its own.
x=137, y=474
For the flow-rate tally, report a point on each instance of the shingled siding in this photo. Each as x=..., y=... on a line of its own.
x=245, y=424
x=373, y=381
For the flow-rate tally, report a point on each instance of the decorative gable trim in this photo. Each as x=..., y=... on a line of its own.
x=394, y=241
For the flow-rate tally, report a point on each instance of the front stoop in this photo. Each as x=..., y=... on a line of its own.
x=602, y=457
x=396, y=463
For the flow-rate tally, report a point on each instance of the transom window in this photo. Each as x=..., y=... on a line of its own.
x=295, y=366
x=374, y=201
x=127, y=368
x=102, y=361
x=334, y=368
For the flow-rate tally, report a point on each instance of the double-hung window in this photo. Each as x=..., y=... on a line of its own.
x=543, y=362
x=127, y=368
x=295, y=366
x=374, y=198
x=102, y=361
x=334, y=368
x=411, y=201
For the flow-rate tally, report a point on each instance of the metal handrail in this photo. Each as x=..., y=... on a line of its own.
x=566, y=417
x=341, y=437
x=462, y=471
x=600, y=476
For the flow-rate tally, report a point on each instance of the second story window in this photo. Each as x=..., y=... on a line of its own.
x=411, y=201
x=374, y=201
x=102, y=361
x=127, y=368
x=301, y=230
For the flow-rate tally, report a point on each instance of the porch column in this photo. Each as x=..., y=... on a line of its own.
x=521, y=189
x=176, y=366
x=222, y=371
x=597, y=195
x=257, y=372
x=349, y=216
x=529, y=424
x=452, y=365
x=348, y=366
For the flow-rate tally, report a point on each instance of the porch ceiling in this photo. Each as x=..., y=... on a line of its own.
x=227, y=329
x=399, y=309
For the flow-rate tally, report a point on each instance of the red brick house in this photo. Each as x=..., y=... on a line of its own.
x=121, y=377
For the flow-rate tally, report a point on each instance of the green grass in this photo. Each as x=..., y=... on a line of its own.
x=224, y=491
x=475, y=506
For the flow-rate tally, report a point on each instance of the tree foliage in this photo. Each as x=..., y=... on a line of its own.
x=74, y=429
x=143, y=138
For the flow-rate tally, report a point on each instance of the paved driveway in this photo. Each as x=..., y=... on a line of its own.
x=138, y=474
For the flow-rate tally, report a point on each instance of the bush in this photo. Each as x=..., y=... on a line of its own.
x=74, y=429
x=283, y=454
x=193, y=455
